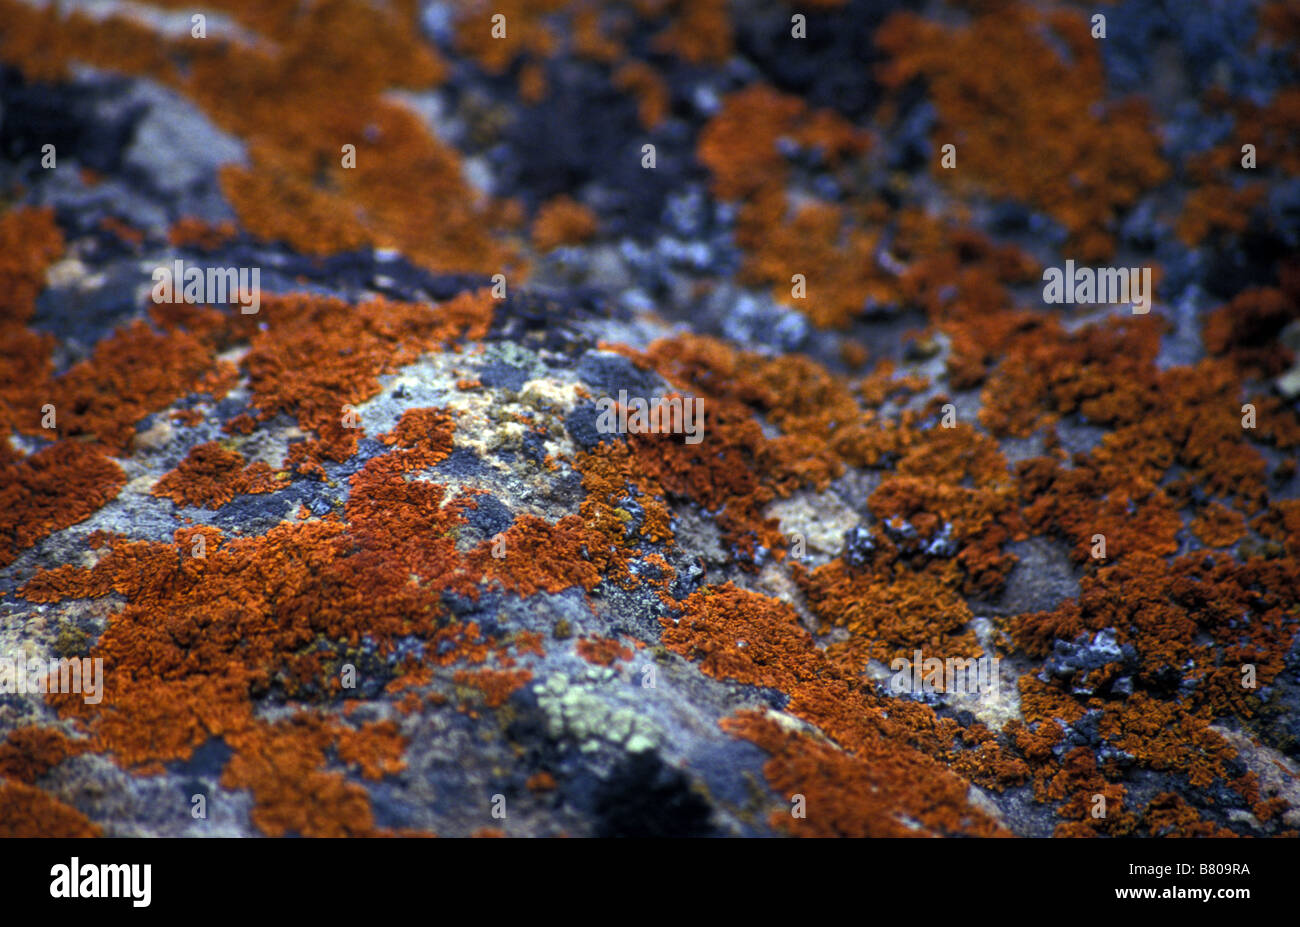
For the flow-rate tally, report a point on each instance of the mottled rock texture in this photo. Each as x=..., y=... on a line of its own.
x=367, y=560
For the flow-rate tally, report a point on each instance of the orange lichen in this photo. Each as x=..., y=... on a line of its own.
x=28, y=753
x=562, y=221
x=699, y=31
x=874, y=756
x=602, y=651
x=281, y=763
x=496, y=685
x=650, y=90
x=1217, y=526
x=28, y=812
x=540, y=782
x=56, y=487
x=191, y=232
x=211, y=475
x=1004, y=116
x=297, y=100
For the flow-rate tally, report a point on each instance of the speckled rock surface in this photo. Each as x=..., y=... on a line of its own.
x=361, y=554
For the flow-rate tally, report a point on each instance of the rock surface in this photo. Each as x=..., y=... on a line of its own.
x=367, y=559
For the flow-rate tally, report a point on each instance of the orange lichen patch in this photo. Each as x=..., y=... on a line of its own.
x=1281, y=523
x=187, y=417
x=753, y=639
x=28, y=812
x=30, y=752
x=211, y=475
x=562, y=221
x=891, y=614
x=529, y=642
x=317, y=85
x=524, y=31
x=824, y=429
x=540, y=782
x=699, y=31
x=1169, y=815
x=41, y=41
x=426, y=430
x=1247, y=327
x=281, y=764
x=199, y=638
x=833, y=250
x=607, y=472
x=1218, y=208
x=1204, y=615
x=29, y=241
x=323, y=354
x=602, y=651
x=840, y=250
x=650, y=90
x=532, y=83
x=740, y=635
x=1004, y=116
x=115, y=226
x=540, y=556
x=191, y=232
x=280, y=208
x=56, y=487
x=1272, y=129
x=496, y=685
x=739, y=145
x=131, y=373
x=806, y=402
x=1217, y=526
x=886, y=793
x=1076, y=787
x=1175, y=435
x=1131, y=520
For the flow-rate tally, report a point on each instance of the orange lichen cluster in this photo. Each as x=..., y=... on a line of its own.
x=496, y=44
x=323, y=356
x=644, y=82
x=199, y=640
x=830, y=245
x=211, y=475
x=281, y=764
x=28, y=812
x=28, y=753
x=869, y=774
x=191, y=232
x=496, y=685
x=200, y=637
x=698, y=31
x=1005, y=116
x=56, y=487
x=1247, y=327
x=602, y=651
x=29, y=242
x=315, y=86
x=562, y=221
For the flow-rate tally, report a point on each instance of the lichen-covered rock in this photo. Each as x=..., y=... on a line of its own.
x=649, y=422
